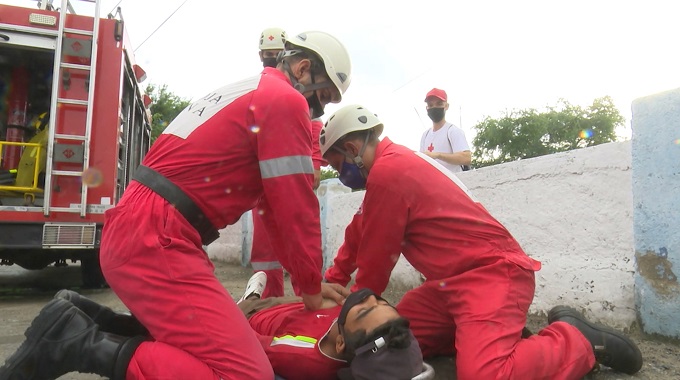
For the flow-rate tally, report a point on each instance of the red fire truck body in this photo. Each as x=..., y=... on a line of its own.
x=74, y=125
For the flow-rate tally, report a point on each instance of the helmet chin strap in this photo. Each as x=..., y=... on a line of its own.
x=358, y=160
x=301, y=88
x=315, y=107
x=296, y=85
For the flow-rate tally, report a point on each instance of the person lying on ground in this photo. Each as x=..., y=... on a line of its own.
x=365, y=331
x=363, y=339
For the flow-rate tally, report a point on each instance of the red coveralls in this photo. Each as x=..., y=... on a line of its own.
x=262, y=255
x=479, y=284
x=225, y=151
x=290, y=335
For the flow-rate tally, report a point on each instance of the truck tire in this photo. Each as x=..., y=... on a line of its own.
x=91, y=273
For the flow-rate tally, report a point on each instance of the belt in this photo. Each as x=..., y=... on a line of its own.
x=178, y=198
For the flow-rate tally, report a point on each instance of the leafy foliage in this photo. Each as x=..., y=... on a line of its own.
x=164, y=108
x=529, y=133
x=328, y=172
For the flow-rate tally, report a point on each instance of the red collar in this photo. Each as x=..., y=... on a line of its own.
x=381, y=147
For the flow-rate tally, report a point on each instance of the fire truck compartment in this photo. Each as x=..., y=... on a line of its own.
x=74, y=127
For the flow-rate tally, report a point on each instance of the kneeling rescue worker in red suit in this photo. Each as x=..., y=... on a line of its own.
x=246, y=141
x=480, y=282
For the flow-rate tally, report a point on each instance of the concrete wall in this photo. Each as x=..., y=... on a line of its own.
x=229, y=246
x=572, y=211
x=656, y=195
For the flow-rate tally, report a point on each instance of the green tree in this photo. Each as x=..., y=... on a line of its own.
x=164, y=108
x=329, y=172
x=529, y=133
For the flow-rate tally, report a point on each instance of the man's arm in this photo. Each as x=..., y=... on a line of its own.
x=457, y=158
x=459, y=146
x=344, y=263
x=317, y=178
x=291, y=210
x=317, y=158
x=385, y=216
x=251, y=306
x=297, y=357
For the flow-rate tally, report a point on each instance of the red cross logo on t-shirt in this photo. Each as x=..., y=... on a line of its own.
x=430, y=148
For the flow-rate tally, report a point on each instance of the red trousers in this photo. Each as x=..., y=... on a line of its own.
x=263, y=258
x=154, y=261
x=479, y=316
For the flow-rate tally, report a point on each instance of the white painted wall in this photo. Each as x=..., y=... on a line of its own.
x=572, y=211
x=229, y=245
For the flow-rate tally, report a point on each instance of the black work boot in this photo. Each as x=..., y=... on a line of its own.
x=612, y=348
x=107, y=319
x=63, y=339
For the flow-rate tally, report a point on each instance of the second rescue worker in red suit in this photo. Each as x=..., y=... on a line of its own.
x=262, y=255
x=480, y=282
x=240, y=143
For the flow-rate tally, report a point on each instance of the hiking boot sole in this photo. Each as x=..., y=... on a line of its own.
x=620, y=354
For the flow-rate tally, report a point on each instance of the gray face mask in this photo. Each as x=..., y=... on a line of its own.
x=315, y=107
x=435, y=114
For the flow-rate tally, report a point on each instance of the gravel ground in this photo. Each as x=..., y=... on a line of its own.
x=23, y=293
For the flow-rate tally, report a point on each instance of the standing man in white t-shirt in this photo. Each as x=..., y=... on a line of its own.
x=444, y=142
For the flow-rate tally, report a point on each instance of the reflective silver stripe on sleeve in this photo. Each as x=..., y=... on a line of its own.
x=266, y=265
x=282, y=166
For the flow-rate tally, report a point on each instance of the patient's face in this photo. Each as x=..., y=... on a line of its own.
x=370, y=313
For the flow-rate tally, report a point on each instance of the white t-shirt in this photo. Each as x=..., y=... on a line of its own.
x=447, y=139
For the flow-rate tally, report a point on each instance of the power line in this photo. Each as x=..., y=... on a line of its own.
x=115, y=6
x=159, y=26
x=413, y=79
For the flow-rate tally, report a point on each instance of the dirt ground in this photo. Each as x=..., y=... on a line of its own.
x=23, y=293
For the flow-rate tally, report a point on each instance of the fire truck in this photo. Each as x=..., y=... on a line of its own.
x=74, y=125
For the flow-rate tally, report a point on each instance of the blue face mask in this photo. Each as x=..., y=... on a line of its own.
x=351, y=176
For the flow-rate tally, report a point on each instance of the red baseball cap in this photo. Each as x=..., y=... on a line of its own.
x=437, y=93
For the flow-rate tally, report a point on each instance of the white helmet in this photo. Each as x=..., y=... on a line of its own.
x=346, y=120
x=332, y=52
x=272, y=39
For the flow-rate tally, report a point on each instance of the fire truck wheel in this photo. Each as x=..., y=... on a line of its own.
x=91, y=273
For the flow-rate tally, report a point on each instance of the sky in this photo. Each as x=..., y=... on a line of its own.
x=489, y=56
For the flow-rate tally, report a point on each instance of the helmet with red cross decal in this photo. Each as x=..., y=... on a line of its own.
x=272, y=39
